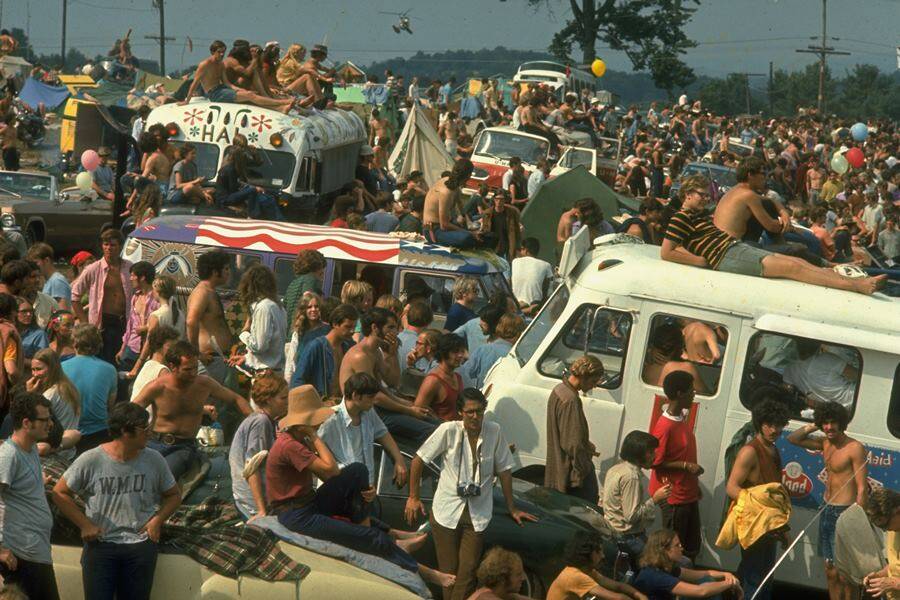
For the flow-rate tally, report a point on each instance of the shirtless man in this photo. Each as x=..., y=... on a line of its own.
x=206, y=326
x=449, y=132
x=324, y=77
x=575, y=214
x=758, y=463
x=9, y=142
x=531, y=121
x=380, y=135
x=180, y=399
x=846, y=483
x=377, y=355
x=214, y=82
x=158, y=168
x=815, y=177
x=744, y=202
x=438, y=227
x=243, y=66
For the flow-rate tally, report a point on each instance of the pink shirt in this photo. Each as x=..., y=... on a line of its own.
x=91, y=281
x=132, y=337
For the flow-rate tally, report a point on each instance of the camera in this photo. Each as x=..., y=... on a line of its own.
x=468, y=490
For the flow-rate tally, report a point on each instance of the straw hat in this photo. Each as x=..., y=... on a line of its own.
x=305, y=407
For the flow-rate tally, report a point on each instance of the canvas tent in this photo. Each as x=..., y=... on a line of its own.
x=419, y=149
x=558, y=195
x=14, y=66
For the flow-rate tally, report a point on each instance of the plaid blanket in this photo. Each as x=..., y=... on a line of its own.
x=212, y=533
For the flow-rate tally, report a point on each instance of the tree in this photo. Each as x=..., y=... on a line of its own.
x=649, y=32
x=728, y=96
x=867, y=93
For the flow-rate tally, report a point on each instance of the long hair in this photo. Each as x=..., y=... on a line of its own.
x=150, y=199
x=56, y=376
x=656, y=552
x=257, y=283
x=302, y=323
x=165, y=287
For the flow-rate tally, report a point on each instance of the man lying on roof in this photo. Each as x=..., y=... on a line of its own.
x=693, y=239
x=213, y=80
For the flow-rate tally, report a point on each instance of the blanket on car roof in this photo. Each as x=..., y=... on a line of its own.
x=212, y=533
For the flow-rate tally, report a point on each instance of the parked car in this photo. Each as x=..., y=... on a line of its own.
x=721, y=178
x=31, y=203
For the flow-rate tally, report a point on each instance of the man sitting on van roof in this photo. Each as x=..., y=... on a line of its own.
x=693, y=239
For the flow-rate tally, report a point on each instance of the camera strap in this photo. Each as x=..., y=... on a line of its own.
x=476, y=463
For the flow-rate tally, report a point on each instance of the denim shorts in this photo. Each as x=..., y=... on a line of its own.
x=827, y=530
x=743, y=259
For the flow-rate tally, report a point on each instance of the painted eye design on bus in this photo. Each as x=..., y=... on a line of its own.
x=210, y=118
x=174, y=265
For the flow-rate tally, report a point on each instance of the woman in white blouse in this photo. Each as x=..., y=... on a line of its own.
x=265, y=330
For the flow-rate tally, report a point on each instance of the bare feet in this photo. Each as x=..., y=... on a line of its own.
x=411, y=544
x=869, y=285
x=286, y=107
x=430, y=575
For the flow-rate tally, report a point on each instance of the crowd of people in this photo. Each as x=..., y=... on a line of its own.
x=108, y=374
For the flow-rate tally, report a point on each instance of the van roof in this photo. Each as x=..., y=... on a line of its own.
x=333, y=242
x=642, y=273
x=215, y=122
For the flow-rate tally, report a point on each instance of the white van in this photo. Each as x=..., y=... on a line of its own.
x=305, y=159
x=560, y=78
x=615, y=296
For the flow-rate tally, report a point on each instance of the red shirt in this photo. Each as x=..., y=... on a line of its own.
x=287, y=475
x=676, y=443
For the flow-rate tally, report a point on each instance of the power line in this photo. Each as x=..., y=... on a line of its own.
x=101, y=7
x=824, y=52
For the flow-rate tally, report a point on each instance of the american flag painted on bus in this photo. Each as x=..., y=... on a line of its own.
x=290, y=238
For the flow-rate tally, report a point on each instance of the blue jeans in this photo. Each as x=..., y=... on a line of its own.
x=118, y=570
x=457, y=238
x=259, y=206
x=340, y=496
x=179, y=456
x=828, y=529
x=407, y=427
x=756, y=562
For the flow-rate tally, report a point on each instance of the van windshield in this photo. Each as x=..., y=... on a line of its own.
x=541, y=326
x=271, y=169
x=505, y=145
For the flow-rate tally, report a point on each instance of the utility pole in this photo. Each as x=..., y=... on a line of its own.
x=747, y=77
x=771, y=84
x=823, y=51
x=161, y=38
x=63, y=51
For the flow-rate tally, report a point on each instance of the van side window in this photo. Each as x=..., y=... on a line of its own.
x=893, y=419
x=599, y=331
x=802, y=372
x=442, y=296
x=542, y=324
x=681, y=344
x=239, y=264
x=284, y=274
x=380, y=277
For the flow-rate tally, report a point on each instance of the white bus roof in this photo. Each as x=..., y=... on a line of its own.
x=774, y=304
x=217, y=122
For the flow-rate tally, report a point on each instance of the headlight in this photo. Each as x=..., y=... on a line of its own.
x=7, y=220
x=478, y=173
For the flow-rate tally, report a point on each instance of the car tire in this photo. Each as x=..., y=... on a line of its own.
x=533, y=586
x=32, y=236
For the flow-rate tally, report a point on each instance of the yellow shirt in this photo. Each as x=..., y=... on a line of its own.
x=892, y=551
x=571, y=584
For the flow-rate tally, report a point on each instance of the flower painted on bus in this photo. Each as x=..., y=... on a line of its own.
x=194, y=131
x=252, y=137
x=192, y=115
x=260, y=122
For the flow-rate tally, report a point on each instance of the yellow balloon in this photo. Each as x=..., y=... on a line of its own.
x=598, y=67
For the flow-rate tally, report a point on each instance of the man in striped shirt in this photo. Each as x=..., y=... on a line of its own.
x=692, y=239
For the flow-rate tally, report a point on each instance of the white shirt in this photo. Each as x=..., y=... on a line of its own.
x=535, y=181
x=165, y=316
x=267, y=335
x=507, y=178
x=413, y=91
x=449, y=441
x=137, y=128
x=822, y=376
x=873, y=217
x=149, y=371
x=528, y=277
x=353, y=443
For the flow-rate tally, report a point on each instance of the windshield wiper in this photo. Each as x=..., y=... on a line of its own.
x=6, y=191
x=489, y=155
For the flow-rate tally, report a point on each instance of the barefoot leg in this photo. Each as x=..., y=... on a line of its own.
x=445, y=580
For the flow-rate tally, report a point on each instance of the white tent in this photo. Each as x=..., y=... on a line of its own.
x=419, y=149
x=14, y=66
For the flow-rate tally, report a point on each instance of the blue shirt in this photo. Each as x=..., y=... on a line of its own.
x=472, y=333
x=315, y=365
x=444, y=94
x=458, y=315
x=103, y=177
x=408, y=339
x=657, y=584
x=33, y=339
x=381, y=221
x=57, y=286
x=255, y=434
x=482, y=359
x=349, y=443
x=96, y=380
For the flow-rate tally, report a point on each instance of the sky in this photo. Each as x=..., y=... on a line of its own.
x=733, y=35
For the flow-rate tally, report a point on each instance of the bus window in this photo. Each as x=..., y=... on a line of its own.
x=801, y=373
x=207, y=160
x=680, y=344
x=893, y=418
x=284, y=274
x=541, y=326
x=239, y=263
x=594, y=330
x=442, y=289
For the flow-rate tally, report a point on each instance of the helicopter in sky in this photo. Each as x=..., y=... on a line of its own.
x=402, y=23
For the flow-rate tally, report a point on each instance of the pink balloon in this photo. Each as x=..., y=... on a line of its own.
x=855, y=157
x=90, y=160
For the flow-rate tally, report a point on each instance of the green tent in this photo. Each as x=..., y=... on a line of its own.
x=556, y=196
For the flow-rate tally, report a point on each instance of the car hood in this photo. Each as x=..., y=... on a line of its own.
x=549, y=505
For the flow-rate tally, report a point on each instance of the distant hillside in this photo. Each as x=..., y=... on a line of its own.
x=503, y=62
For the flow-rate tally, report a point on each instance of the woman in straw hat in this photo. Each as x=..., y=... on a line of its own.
x=297, y=455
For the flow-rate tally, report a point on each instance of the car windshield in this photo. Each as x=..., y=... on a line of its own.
x=272, y=169
x=207, y=160
x=722, y=177
x=25, y=184
x=505, y=145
